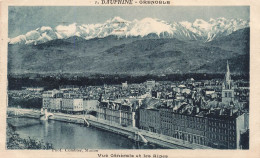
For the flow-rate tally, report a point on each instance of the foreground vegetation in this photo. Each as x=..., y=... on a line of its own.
x=14, y=141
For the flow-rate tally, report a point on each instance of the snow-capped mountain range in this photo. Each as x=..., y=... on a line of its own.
x=198, y=30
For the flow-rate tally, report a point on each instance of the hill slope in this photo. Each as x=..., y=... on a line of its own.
x=132, y=55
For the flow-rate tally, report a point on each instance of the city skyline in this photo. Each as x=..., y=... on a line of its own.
x=148, y=83
x=192, y=114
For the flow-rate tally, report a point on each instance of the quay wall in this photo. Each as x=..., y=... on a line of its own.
x=130, y=132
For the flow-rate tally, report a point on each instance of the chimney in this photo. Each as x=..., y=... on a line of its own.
x=231, y=112
x=197, y=110
x=139, y=103
x=168, y=103
x=221, y=112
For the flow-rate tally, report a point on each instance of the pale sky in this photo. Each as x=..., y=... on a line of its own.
x=24, y=19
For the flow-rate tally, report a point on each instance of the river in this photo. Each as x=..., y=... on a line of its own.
x=73, y=136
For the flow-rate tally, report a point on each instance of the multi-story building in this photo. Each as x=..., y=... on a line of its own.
x=216, y=128
x=90, y=105
x=124, y=85
x=72, y=105
x=150, y=84
x=224, y=131
x=221, y=131
x=50, y=93
x=46, y=102
x=57, y=101
x=149, y=119
x=127, y=116
x=186, y=126
x=55, y=104
x=115, y=112
x=52, y=100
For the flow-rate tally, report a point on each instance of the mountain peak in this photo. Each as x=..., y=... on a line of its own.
x=199, y=21
x=117, y=19
x=133, y=55
x=149, y=20
x=46, y=28
x=202, y=24
x=198, y=30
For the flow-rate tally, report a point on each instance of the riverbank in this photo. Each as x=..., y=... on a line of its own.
x=14, y=141
x=129, y=132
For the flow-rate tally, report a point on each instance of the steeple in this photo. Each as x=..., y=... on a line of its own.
x=228, y=77
x=227, y=81
x=227, y=88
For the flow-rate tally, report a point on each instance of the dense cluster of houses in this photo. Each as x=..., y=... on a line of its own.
x=211, y=113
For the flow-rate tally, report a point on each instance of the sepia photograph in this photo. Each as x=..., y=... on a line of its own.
x=107, y=77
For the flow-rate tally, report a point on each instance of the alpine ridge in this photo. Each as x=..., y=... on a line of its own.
x=132, y=55
x=199, y=30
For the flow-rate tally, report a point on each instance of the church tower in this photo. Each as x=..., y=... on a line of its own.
x=227, y=88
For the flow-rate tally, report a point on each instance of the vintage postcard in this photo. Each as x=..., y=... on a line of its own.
x=129, y=79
